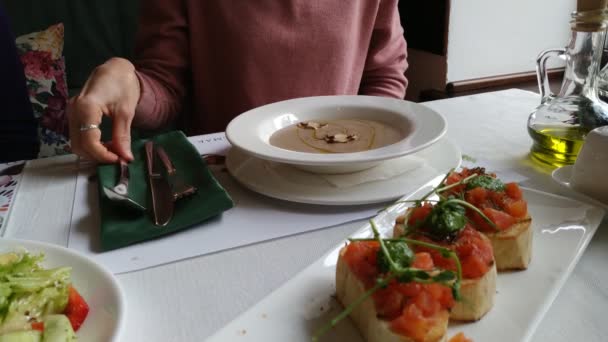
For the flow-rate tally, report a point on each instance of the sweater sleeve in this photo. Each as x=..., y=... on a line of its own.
x=161, y=61
x=386, y=61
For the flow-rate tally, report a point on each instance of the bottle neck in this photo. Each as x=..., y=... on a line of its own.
x=583, y=58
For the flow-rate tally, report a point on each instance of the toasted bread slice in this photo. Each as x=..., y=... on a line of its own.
x=513, y=246
x=477, y=297
x=373, y=329
x=477, y=294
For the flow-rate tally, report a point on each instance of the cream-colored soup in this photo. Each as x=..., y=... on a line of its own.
x=336, y=136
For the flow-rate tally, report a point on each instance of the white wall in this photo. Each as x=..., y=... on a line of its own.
x=497, y=37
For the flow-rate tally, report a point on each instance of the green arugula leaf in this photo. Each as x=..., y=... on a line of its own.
x=486, y=182
x=401, y=254
x=421, y=275
x=446, y=219
x=445, y=276
x=414, y=275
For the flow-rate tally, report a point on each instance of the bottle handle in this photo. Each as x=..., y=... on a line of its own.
x=541, y=72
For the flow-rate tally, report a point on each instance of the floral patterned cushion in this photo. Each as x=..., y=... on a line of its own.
x=41, y=56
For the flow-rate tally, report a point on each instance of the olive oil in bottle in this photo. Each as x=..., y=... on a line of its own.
x=557, y=146
x=559, y=125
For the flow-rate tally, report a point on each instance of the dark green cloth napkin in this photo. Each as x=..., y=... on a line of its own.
x=121, y=227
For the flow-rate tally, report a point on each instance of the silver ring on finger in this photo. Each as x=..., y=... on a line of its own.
x=88, y=127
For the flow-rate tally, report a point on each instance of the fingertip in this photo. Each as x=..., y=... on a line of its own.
x=123, y=149
x=128, y=156
x=99, y=152
x=109, y=158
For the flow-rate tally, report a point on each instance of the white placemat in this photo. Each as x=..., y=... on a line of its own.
x=254, y=218
x=10, y=174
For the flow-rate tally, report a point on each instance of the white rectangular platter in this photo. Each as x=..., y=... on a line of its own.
x=562, y=228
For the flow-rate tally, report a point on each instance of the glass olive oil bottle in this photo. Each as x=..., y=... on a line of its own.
x=559, y=125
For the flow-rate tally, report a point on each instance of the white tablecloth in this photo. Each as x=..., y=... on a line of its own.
x=190, y=299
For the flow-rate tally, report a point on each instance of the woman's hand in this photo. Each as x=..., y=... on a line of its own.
x=112, y=89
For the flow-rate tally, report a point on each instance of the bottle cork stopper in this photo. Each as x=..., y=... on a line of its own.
x=590, y=16
x=590, y=5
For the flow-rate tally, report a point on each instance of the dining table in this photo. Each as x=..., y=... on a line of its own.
x=190, y=299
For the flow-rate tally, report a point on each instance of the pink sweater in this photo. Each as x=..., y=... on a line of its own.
x=212, y=60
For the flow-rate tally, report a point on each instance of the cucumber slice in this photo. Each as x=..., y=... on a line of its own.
x=22, y=336
x=57, y=328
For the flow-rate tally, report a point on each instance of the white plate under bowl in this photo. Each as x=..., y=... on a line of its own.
x=98, y=287
x=304, y=187
x=562, y=228
x=251, y=130
x=563, y=175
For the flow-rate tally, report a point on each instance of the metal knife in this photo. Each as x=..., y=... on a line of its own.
x=179, y=187
x=162, y=196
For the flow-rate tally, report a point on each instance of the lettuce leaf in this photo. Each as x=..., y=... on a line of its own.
x=28, y=292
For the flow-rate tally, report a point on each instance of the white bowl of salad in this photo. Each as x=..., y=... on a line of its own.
x=52, y=294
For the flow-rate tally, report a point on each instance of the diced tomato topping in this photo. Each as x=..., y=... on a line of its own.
x=411, y=323
x=420, y=213
x=423, y=261
x=479, y=223
x=441, y=293
x=409, y=289
x=497, y=199
x=389, y=302
x=513, y=191
x=476, y=196
x=517, y=208
x=501, y=219
x=510, y=202
x=38, y=326
x=409, y=307
x=77, y=308
x=454, y=178
x=427, y=304
x=361, y=258
x=435, y=291
x=474, y=252
x=438, y=260
x=474, y=266
x=460, y=337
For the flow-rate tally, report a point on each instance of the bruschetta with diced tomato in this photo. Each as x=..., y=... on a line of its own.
x=394, y=294
x=430, y=223
x=504, y=205
x=399, y=312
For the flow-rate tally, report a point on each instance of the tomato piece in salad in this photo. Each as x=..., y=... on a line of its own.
x=77, y=308
x=38, y=326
